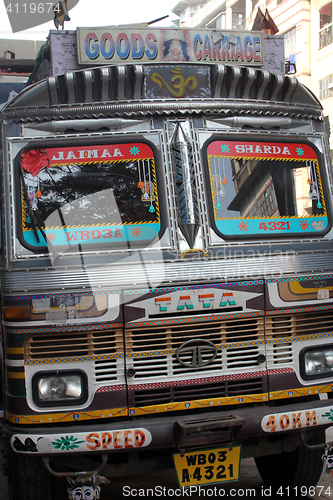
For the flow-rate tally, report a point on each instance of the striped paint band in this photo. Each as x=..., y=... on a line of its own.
x=62, y=328
x=269, y=158
x=73, y=359
x=299, y=309
x=105, y=224
x=62, y=295
x=145, y=291
x=52, y=418
x=138, y=223
x=304, y=391
x=194, y=319
x=303, y=278
x=202, y=403
x=289, y=217
x=300, y=338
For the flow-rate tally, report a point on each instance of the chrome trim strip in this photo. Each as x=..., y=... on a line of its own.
x=150, y=274
x=88, y=81
x=220, y=75
x=105, y=78
x=264, y=84
x=121, y=75
x=138, y=82
x=251, y=73
x=236, y=74
x=52, y=82
x=70, y=81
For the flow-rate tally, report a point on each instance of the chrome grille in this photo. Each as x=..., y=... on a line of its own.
x=147, y=347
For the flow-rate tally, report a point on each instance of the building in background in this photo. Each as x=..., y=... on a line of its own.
x=306, y=25
x=17, y=60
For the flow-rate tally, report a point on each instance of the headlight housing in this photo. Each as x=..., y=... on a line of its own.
x=317, y=362
x=60, y=388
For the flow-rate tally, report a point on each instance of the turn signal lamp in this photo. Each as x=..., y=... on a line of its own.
x=16, y=313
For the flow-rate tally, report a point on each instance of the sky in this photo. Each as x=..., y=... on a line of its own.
x=94, y=13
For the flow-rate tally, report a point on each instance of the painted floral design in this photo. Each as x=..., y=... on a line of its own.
x=66, y=443
x=329, y=415
x=134, y=151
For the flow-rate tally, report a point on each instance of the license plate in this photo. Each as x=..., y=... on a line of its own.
x=207, y=466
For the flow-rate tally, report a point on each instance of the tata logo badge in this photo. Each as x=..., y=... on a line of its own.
x=196, y=353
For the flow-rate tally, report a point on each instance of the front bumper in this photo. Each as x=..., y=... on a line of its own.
x=172, y=432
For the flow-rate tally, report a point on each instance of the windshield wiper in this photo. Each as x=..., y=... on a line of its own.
x=34, y=220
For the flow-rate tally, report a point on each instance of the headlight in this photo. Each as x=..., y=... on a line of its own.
x=59, y=388
x=317, y=363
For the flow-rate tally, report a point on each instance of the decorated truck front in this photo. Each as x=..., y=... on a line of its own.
x=166, y=269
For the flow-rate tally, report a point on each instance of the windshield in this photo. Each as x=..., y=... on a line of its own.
x=96, y=195
x=265, y=189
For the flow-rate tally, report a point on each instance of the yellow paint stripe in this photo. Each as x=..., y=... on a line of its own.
x=51, y=418
x=15, y=350
x=16, y=375
x=201, y=403
x=301, y=391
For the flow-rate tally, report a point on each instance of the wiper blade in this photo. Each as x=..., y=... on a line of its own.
x=35, y=222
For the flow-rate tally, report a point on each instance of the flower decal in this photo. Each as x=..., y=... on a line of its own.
x=134, y=151
x=50, y=236
x=136, y=231
x=243, y=226
x=66, y=443
x=328, y=414
x=299, y=151
x=225, y=148
x=304, y=225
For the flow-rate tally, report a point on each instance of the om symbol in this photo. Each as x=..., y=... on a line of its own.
x=178, y=85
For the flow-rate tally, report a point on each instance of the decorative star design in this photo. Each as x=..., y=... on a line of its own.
x=304, y=225
x=136, y=231
x=50, y=236
x=243, y=226
x=134, y=151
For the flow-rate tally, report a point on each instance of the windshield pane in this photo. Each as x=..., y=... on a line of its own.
x=267, y=189
x=93, y=195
